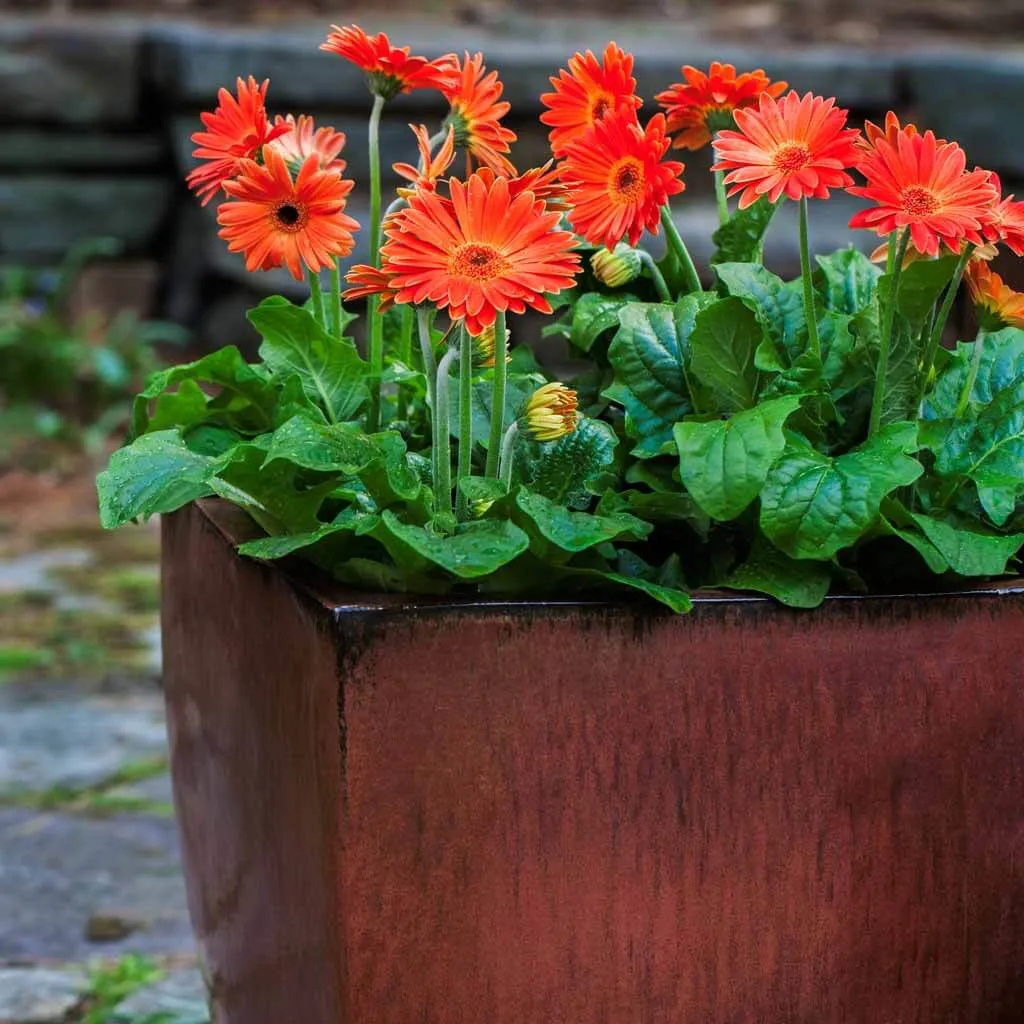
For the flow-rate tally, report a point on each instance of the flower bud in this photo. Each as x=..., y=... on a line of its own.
x=483, y=348
x=551, y=412
x=618, y=267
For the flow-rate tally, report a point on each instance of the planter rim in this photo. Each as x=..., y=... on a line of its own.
x=236, y=527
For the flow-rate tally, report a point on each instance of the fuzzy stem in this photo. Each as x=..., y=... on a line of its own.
x=443, y=482
x=405, y=355
x=940, y=322
x=317, y=296
x=508, y=449
x=336, y=298
x=656, y=276
x=465, y=462
x=376, y=323
x=678, y=248
x=885, y=342
x=723, y=202
x=423, y=318
x=813, y=343
x=965, y=394
x=497, y=398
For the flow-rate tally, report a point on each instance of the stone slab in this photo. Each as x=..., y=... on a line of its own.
x=181, y=992
x=43, y=216
x=58, y=871
x=69, y=72
x=39, y=995
x=54, y=739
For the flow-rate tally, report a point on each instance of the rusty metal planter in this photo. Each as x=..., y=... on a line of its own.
x=412, y=812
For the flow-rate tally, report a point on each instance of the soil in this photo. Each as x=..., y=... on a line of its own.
x=876, y=24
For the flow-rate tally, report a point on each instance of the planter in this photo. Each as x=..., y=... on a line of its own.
x=398, y=811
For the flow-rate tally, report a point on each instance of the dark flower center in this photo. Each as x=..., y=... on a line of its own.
x=288, y=215
x=478, y=262
x=628, y=181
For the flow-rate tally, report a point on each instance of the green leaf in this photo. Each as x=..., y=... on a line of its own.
x=391, y=478
x=271, y=548
x=896, y=522
x=920, y=285
x=593, y=314
x=970, y=551
x=572, y=469
x=474, y=550
x=155, y=474
x=724, y=339
x=799, y=583
x=279, y=496
x=1000, y=365
x=851, y=281
x=649, y=355
x=575, y=531
x=903, y=376
x=677, y=600
x=331, y=370
x=517, y=390
x=741, y=238
x=724, y=463
x=329, y=448
x=779, y=306
x=245, y=399
x=813, y=506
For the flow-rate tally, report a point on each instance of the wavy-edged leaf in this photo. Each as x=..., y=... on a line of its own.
x=851, y=281
x=594, y=313
x=921, y=282
x=329, y=448
x=723, y=342
x=778, y=306
x=1000, y=365
x=571, y=532
x=724, y=463
x=572, y=469
x=741, y=238
x=798, y=583
x=969, y=550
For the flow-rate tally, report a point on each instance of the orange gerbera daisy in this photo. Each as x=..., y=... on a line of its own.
x=544, y=182
x=923, y=184
x=996, y=304
x=479, y=252
x=389, y=69
x=368, y=281
x=276, y=220
x=797, y=146
x=586, y=93
x=890, y=131
x=431, y=165
x=617, y=179
x=705, y=103
x=236, y=131
x=476, y=112
x=1006, y=220
x=303, y=139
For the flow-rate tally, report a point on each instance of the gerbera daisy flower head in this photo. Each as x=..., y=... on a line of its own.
x=302, y=139
x=922, y=184
x=705, y=103
x=586, y=92
x=474, y=95
x=890, y=131
x=617, y=179
x=277, y=220
x=798, y=146
x=366, y=281
x=551, y=412
x=389, y=69
x=996, y=304
x=544, y=182
x=431, y=165
x=479, y=252
x=235, y=132
x=1006, y=220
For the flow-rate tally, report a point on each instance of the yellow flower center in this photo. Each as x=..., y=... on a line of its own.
x=790, y=157
x=918, y=201
x=627, y=181
x=290, y=216
x=478, y=262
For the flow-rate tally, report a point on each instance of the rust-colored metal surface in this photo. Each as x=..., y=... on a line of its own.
x=424, y=814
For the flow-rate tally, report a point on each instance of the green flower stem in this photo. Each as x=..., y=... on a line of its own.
x=885, y=342
x=723, y=202
x=678, y=249
x=656, y=276
x=813, y=343
x=424, y=315
x=443, y=481
x=317, y=296
x=376, y=322
x=508, y=451
x=965, y=394
x=928, y=364
x=465, y=461
x=336, y=298
x=405, y=356
x=497, y=398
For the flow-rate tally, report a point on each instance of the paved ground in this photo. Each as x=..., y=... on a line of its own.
x=93, y=923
